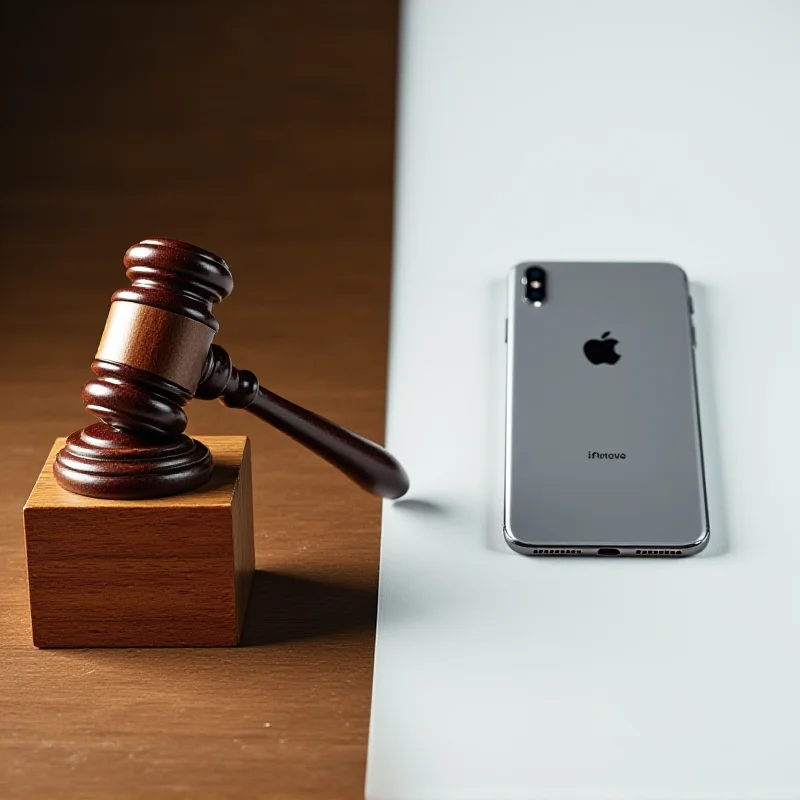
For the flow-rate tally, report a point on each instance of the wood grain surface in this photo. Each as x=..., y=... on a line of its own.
x=168, y=345
x=263, y=131
x=163, y=572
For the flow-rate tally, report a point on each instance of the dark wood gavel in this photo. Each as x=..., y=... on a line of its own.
x=156, y=353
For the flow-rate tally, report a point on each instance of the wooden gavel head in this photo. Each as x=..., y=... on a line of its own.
x=148, y=365
x=155, y=354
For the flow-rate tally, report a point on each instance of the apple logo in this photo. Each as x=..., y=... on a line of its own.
x=601, y=351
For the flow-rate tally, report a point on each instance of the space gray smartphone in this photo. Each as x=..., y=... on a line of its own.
x=603, y=447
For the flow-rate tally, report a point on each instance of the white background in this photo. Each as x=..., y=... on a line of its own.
x=653, y=131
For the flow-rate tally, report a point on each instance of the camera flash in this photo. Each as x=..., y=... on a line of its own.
x=538, y=304
x=536, y=284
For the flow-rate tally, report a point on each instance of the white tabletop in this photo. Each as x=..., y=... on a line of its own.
x=652, y=131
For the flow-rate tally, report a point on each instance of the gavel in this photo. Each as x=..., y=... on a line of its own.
x=155, y=355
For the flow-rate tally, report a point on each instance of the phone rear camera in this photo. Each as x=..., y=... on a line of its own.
x=535, y=285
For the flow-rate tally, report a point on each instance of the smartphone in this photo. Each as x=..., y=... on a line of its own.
x=603, y=445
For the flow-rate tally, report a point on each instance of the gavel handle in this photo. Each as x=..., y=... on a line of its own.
x=363, y=461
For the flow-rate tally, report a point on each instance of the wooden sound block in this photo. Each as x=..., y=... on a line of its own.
x=167, y=572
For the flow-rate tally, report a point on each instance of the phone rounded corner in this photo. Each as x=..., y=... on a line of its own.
x=671, y=266
x=515, y=544
x=514, y=271
x=699, y=544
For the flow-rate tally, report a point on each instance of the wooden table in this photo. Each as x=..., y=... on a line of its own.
x=264, y=132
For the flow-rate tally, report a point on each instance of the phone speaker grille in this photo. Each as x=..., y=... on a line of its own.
x=553, y=552
x=659, y=552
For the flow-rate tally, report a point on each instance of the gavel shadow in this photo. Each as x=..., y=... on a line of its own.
x=285, y=608
x=222, y=477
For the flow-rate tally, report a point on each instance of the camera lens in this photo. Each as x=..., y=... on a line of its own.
x=535, y=283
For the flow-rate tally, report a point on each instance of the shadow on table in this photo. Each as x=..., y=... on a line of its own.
x=419, y=506
x=284, y=608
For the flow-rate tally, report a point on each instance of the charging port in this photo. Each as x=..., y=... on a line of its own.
x=608, y=551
